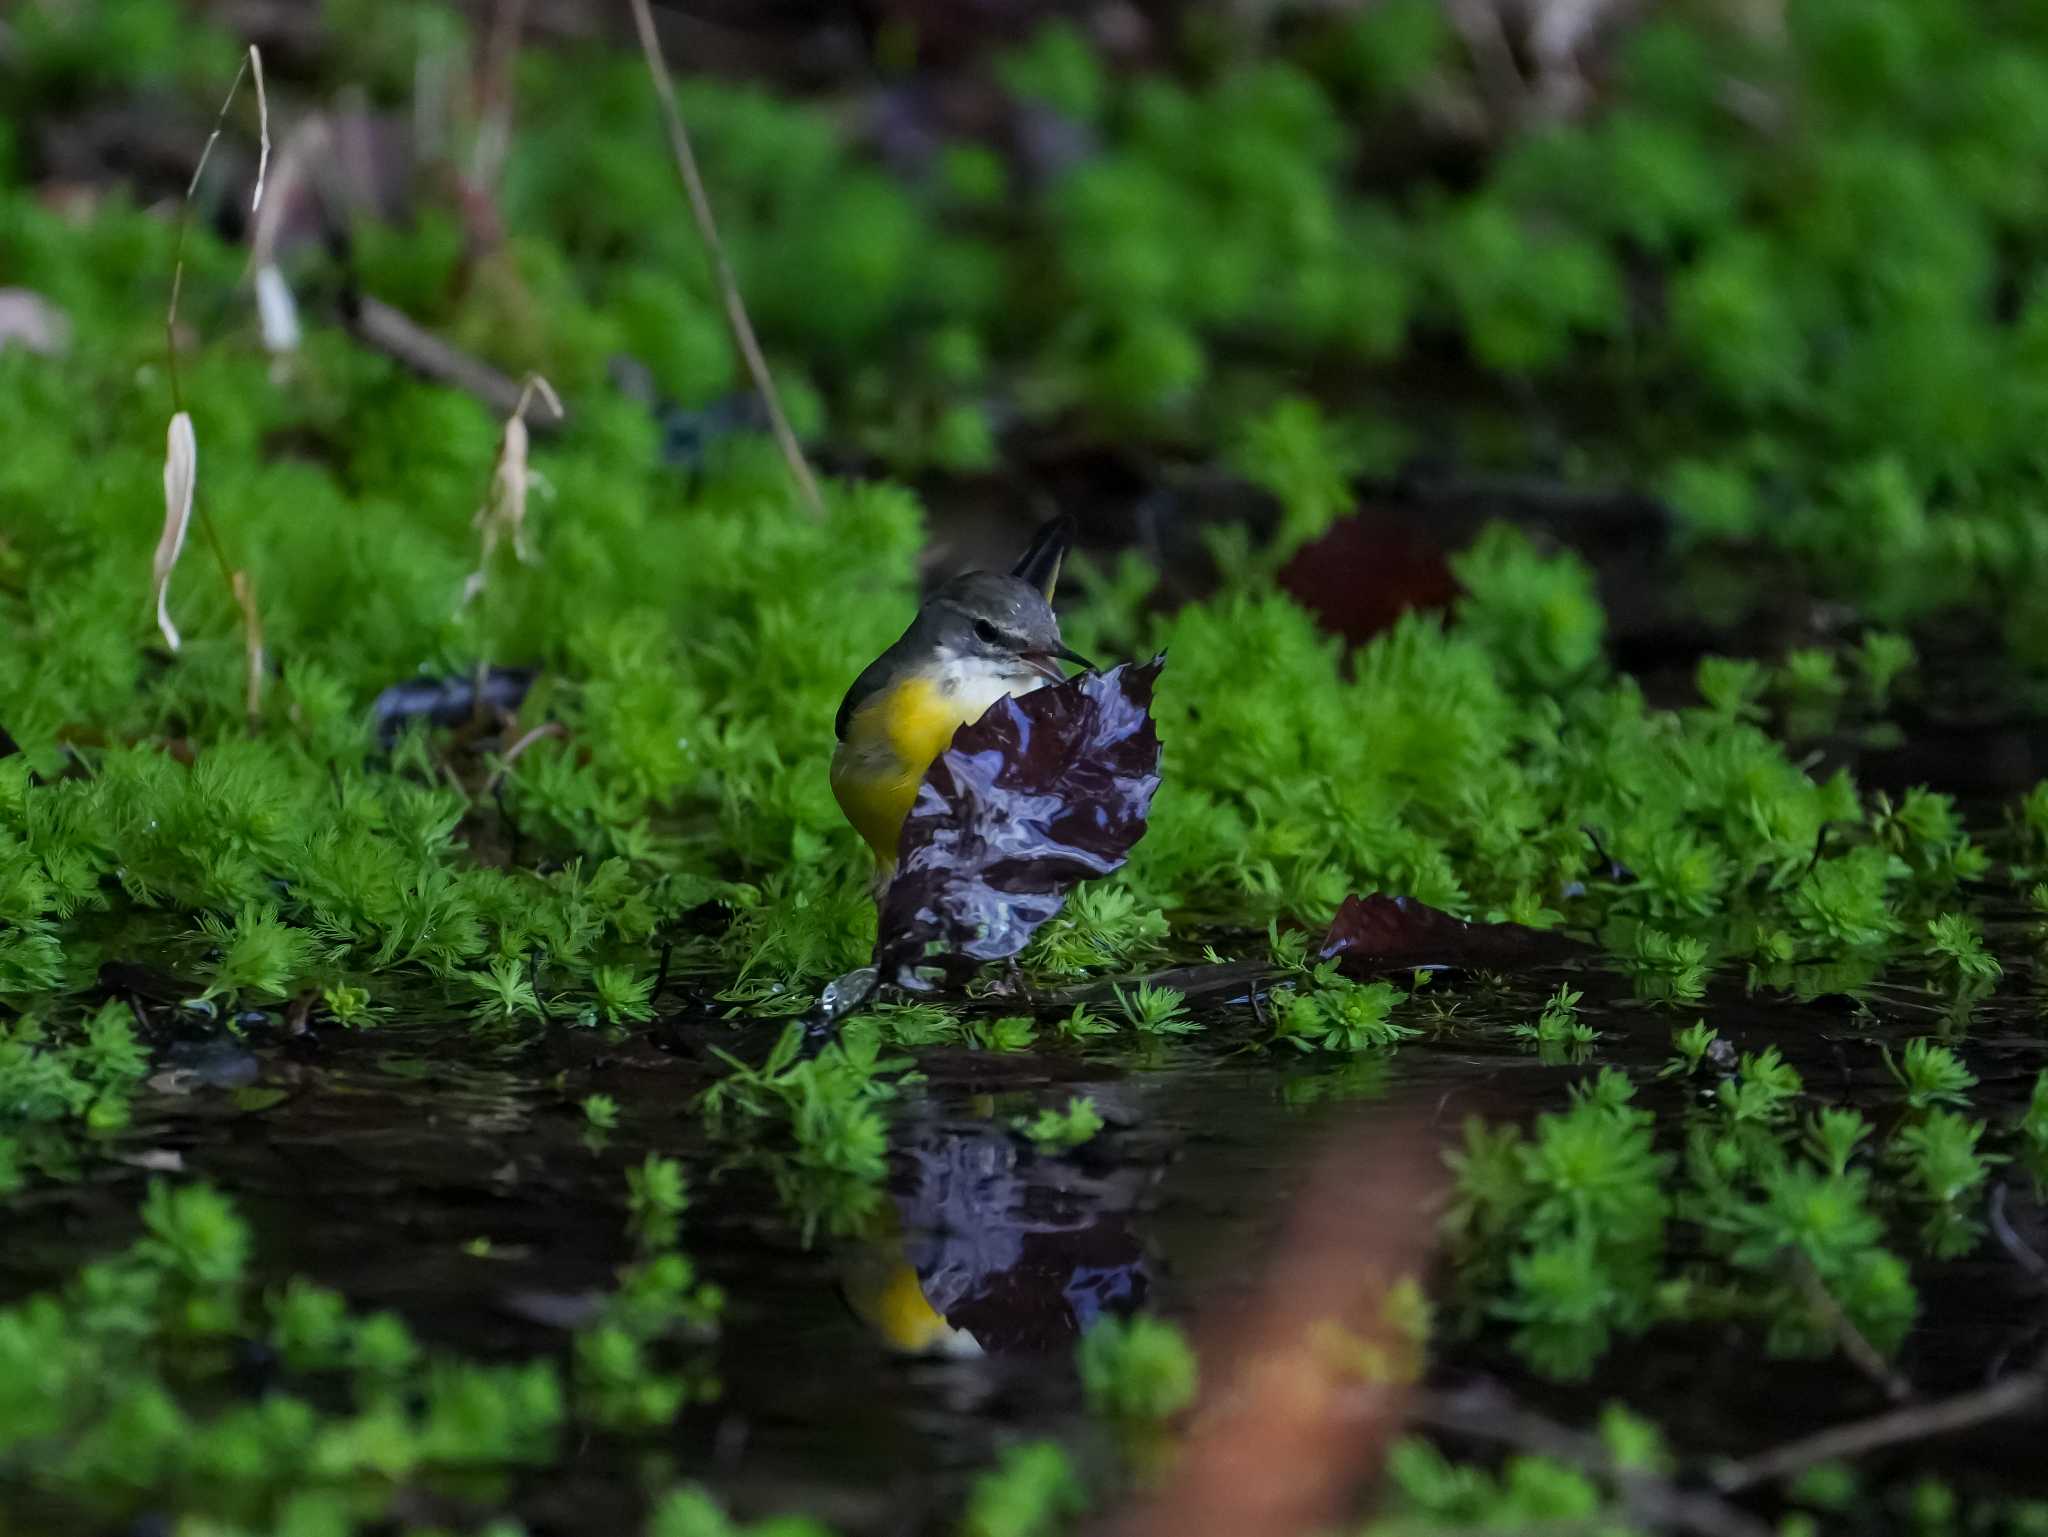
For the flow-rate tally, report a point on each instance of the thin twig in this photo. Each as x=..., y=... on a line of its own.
x=2009, y=1239
x=213, y=539
x=1863, y=1355
x=1204, y=979
x=185, y=223
x=1488, y=1415
x=545, y=729
x=728, y=285
x=501, y=58
x=1492, y=53
x=502, y=514
x=2022, y=1390
x=244, y=587
x=181, y=460
x=396, y=335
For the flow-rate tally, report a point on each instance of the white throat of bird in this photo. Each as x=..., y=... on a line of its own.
x=976, y=682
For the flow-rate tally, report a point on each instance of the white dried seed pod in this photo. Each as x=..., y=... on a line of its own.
x=181, y=474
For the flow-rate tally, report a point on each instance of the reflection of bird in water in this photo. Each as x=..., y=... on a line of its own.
x=883, y=1290
x=987, y=1248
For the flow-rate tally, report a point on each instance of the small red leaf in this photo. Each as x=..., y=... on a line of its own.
x=1377, y=932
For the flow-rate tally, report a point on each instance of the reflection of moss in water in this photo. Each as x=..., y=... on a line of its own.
x=1571, y=1233
x=120, y=1388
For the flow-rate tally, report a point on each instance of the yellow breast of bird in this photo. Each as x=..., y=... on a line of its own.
x=892, y=739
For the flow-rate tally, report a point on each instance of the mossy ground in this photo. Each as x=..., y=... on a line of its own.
x=1786, y=282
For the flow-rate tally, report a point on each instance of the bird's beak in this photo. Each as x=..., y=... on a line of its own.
x=1047, y=663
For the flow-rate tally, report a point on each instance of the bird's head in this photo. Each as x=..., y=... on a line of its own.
x=1001, y=623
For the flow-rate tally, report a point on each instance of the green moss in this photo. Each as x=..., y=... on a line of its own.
x=1339, y=1015
x=1389, y=51
x=1136, y=1369
x=1057, y=68
x=1821, y=294
x=1032, y=1492
x=692, y=1512
x=93, y=1415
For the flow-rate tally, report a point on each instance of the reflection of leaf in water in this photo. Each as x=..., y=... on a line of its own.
x=1377, y=932
x=1043, y=792
x=1021, y=1257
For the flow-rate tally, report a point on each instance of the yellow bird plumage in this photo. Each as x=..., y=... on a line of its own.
x=977, y=638
x=890, y=741
x=883, y=1290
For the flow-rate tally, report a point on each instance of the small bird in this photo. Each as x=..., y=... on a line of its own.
x=979, y=637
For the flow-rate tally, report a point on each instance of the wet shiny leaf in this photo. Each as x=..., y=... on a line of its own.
x=1041, y=793
x=1376, y=933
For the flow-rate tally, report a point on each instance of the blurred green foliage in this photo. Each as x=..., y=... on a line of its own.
x=1787, y=279
x=1139, y=1368
x=117, y=1391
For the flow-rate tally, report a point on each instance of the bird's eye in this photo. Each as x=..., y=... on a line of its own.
x=986, y=633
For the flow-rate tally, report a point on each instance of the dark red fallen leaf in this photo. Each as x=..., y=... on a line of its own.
x=1369, y=570
x=1377, y=932
x=1041, y=793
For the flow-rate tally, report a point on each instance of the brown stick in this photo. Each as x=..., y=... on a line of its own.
x=2009, y=1239
x=212, y=534
x=728, y=285
x=2023, y=1390
x=545, y=729
x=1863, y=1355
x=241, y=587
x=395, y=334
x=500, y=66
x=252, y=646
x=1489, y=1415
